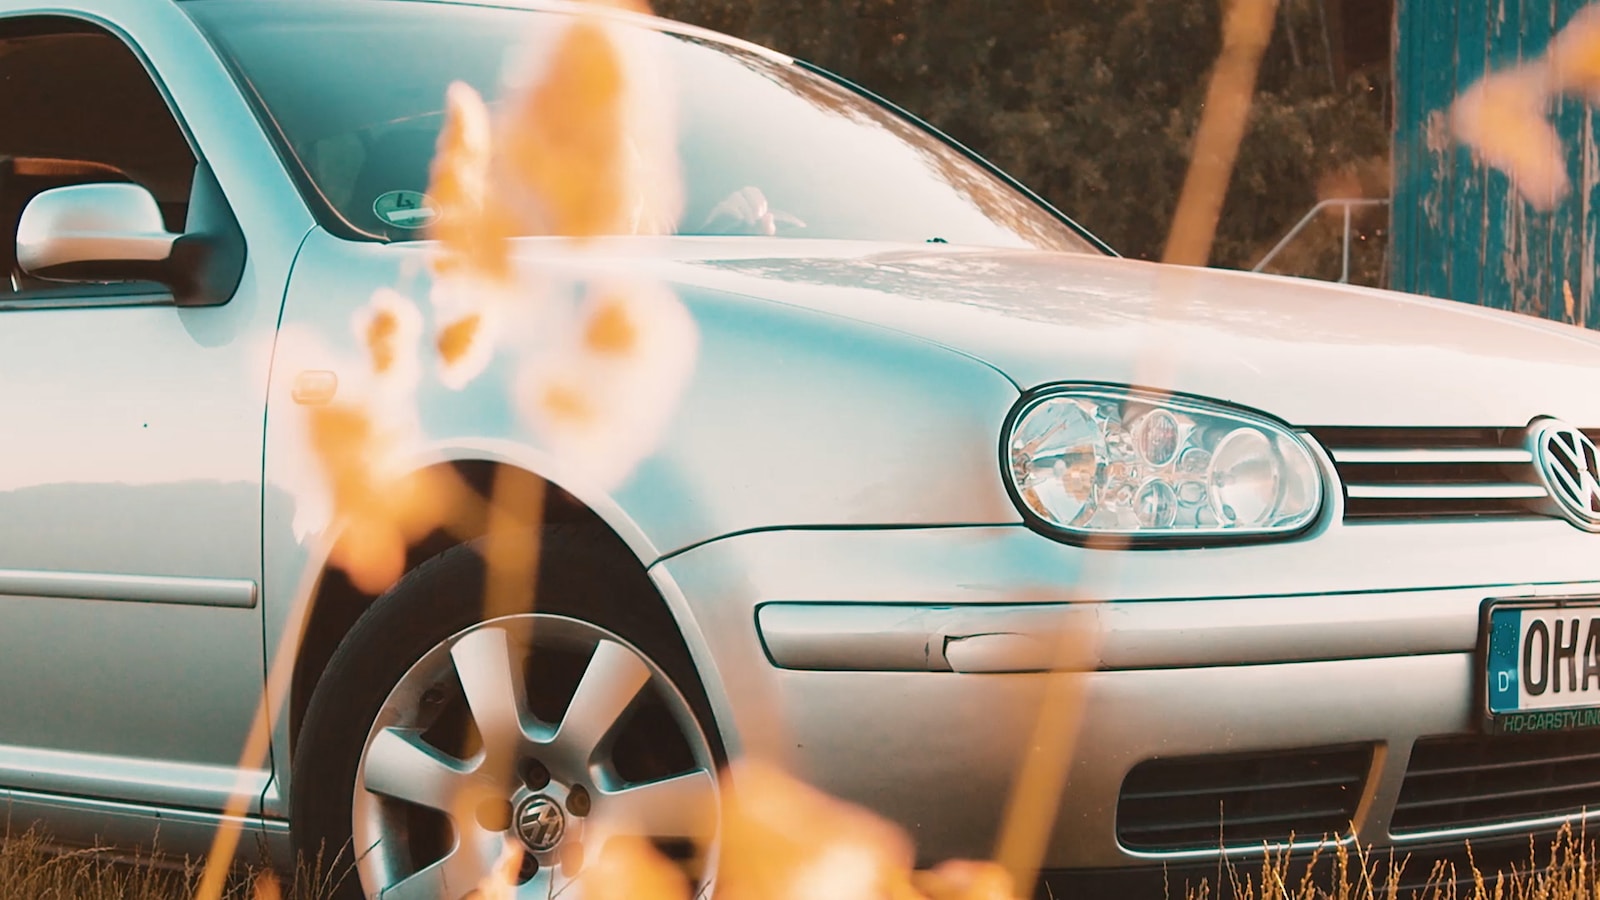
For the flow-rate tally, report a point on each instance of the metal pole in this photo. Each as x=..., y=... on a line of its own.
x=1344, y=273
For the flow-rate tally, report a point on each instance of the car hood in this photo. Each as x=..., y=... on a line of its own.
x=1308, y=352
x=1311, y=353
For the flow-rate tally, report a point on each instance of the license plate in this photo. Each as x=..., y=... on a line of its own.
x=1541, y=665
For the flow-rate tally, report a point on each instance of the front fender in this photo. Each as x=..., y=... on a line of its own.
x=793, y=417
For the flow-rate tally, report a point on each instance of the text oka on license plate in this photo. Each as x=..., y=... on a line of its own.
x=1543, y=667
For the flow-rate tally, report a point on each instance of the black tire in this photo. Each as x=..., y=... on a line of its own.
x=582, y=576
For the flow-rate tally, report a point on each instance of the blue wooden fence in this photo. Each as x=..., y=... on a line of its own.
x=1460, y=230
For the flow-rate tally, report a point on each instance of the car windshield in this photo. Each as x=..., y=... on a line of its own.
x=355, y=91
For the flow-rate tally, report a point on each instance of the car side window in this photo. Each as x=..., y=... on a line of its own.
x=79, y=107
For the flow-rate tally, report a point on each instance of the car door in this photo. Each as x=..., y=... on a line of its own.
x=131, y=436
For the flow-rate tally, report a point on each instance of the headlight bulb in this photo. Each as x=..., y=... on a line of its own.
x=1157, y=505
x=1156, y=435
x=1244, y=478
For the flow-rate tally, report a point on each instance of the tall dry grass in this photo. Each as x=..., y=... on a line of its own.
x=1566, y=870
x=33, y=867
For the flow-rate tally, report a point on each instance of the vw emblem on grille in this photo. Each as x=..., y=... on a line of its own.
x=1569, y=465
x=540, y=823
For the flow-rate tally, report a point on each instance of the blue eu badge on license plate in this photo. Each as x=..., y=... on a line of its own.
x=1541, y=665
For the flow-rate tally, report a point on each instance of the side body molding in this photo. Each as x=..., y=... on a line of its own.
x=234, y=592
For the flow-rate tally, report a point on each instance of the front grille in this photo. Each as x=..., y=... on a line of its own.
x=1205, y=802
x=1478, y=780
x=1398, y=473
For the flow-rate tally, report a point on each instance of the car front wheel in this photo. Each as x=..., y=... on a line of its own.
x=437, y=740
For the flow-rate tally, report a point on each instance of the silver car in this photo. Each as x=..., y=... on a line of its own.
x=1319, y=563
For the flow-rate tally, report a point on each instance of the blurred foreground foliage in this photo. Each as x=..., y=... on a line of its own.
x=1094, y=103
x=34, y=867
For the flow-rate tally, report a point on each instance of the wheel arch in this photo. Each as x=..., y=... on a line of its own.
x=332, y=604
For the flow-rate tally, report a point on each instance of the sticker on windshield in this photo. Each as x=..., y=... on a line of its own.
x=406, y=209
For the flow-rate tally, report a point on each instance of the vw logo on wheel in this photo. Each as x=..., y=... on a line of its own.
x=1569, y=465
x=540, y=823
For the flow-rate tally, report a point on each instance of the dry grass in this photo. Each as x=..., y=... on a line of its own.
x=31, y=868
x=34, y=868
x=1566, y=872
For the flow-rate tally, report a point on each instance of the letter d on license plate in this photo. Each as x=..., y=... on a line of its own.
x=1540, y=665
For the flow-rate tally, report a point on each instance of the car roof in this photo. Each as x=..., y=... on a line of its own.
x=647, y=20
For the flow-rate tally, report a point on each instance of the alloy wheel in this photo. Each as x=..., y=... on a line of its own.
x=538, y=731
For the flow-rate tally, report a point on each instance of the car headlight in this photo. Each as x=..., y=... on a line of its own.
x=1099, y=461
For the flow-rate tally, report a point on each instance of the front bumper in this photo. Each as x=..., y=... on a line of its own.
x=903, y=648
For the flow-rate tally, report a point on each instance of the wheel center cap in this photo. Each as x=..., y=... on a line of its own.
x=540, y=824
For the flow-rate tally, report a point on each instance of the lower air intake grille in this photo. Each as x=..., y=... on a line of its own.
x=1478, y=780
x=1205, y=802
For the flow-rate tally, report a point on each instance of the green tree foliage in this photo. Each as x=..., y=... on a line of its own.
x=1094, y=103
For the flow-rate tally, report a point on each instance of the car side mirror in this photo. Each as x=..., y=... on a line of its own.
x=114, y=232
x=94, y=232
